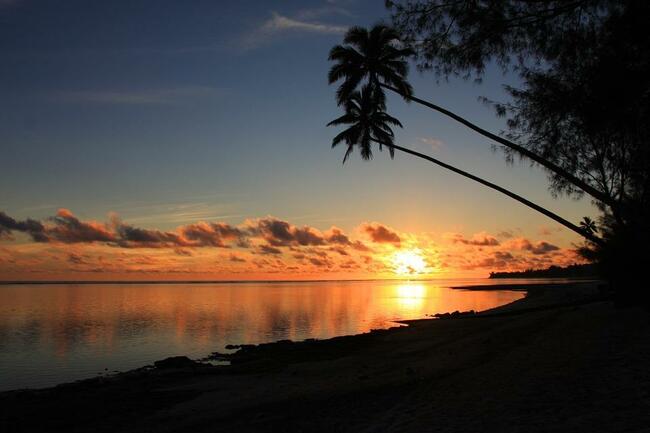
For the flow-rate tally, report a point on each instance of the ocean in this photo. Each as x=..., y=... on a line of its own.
x=55, y=333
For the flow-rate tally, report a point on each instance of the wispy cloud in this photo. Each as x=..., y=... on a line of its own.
x=280, y=24
x=138, y=97
x=433, y=142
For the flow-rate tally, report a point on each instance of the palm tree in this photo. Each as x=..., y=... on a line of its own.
x=377, y=56
x=368, y=123
x=374, y=55
x=588, y=225
x=364, y=112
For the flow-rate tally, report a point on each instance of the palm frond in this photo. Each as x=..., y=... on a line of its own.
x=369, y=55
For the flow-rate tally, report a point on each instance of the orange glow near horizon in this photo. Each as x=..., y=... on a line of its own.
x=68, y=248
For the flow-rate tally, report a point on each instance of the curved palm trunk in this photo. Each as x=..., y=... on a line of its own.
x=598, y=195
x=520, y=199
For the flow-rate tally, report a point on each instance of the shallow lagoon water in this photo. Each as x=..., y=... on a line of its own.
x=54, y=333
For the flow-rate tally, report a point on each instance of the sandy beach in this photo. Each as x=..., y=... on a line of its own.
x=563, y=359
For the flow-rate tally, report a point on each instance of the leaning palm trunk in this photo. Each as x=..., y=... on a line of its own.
x=598, y=195
x=584, y=233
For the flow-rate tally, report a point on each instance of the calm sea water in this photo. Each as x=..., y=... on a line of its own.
x=57, y=333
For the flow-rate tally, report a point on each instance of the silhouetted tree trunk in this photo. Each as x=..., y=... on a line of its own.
x=598, y=195
x=568, y=224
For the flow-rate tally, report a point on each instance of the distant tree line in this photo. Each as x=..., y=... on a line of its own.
x=588, y=270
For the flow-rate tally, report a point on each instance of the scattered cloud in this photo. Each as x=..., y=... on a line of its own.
x=303, y=23
x=279, y=23
x=213, y=234
x=69, y=229
x=280, y=233
x=433, y=142
x=236, y=258
x=268, y=249
x=32, y=227
x=538, y=248
x=505, y=234
x=381, y=234
x=65, y=242
x=478, y=239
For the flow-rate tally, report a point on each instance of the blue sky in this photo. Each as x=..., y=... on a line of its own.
x=170, y=112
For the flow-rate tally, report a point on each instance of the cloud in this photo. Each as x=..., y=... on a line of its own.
x=213, y=234
x=350, y=264
x=32, y=227
x=69, y=229
x=236, y=258
x=543, y=248
x=433, y=142
x=336, y=236
x=339, y=250
x=360, y=246
x=274, y=245
x=280, y=24
x=487, y=263
x=320, y=262
x=66, y=228
x=280, y=233
x=138, y=97
x=268, y=249
x=539, y=248
x=134, y=237
x=481, y=239
x=77, y=259
x=505, y=234
x=381, y=234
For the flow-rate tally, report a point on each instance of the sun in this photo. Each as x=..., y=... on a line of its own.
x=409, y=262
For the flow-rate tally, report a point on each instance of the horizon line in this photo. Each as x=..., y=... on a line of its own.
x=25, y=282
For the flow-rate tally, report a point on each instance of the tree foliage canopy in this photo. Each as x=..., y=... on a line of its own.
x=584, y=97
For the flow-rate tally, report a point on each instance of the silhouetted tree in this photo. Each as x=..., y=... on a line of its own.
x=372, y=59
x=368, y=123
x=584, y=101
x=375, y=56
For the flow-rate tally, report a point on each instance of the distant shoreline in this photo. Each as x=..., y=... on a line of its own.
x=528, y=287
x=585, y=270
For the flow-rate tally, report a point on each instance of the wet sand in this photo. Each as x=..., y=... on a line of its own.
x=563, y=359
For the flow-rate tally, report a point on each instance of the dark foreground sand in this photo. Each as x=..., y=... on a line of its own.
x=560, y=360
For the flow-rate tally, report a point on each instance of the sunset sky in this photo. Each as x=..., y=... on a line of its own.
x=187, y=140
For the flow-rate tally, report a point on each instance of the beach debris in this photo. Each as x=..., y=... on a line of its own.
x=456, y=314
x=175, y=362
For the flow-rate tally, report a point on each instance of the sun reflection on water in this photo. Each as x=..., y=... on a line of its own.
x=410, y=295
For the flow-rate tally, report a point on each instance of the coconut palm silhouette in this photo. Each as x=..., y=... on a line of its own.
x=368, y=123
x=378, y=58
